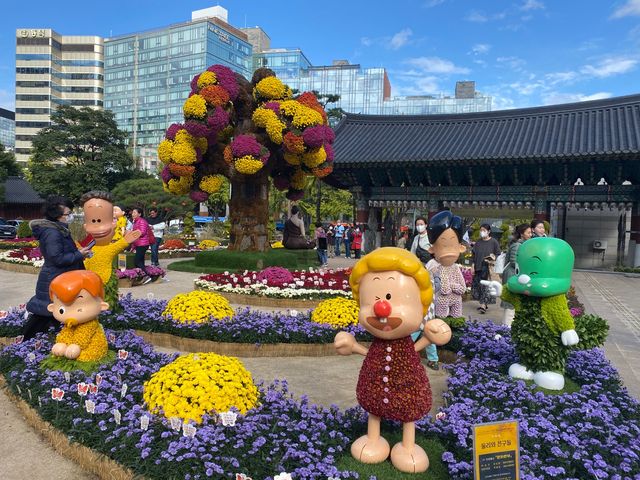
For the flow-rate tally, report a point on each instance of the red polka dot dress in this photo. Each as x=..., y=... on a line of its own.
x=393, y=384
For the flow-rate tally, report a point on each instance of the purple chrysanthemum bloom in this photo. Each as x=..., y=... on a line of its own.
x=329, y=150
x=198, y=196
x=172, y=130
x=226, y=79
x=194, y=84
x=218, y=120
x=166, y=175
x=245, y=145
x=314, y=136
x=275, y=276
x=275, y=106
x=196, y=129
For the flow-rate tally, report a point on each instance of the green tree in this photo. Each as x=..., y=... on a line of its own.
x=90, y=147
x=8, y=168
x=147, y=192
x=334, y=203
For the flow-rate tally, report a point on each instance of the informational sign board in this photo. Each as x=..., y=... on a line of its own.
x=496, y=451
x=122, y=262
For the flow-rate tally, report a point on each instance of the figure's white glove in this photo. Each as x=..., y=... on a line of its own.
x=569, y=337
x=493, y=288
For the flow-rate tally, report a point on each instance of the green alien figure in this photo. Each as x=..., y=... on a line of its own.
x=543, y=327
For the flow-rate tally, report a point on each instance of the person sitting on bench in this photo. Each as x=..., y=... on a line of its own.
x=293, y=235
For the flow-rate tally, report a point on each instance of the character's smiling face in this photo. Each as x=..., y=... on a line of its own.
x=390, y=305
x=543, y=268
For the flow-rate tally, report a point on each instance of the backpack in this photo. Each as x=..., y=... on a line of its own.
x=500, y=265
x=150, y=236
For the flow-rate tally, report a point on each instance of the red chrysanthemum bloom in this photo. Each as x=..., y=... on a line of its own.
x=215, y=95
x=294, y=143
x=228, y=154
x=181, y=170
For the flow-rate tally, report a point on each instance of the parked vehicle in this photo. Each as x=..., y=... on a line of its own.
x=15, y=223
x=7, y=230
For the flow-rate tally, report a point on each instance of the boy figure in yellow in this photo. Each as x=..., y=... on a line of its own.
x=99, y=222
x=77, y=300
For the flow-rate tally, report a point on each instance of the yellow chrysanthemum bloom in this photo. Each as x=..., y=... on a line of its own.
x=180, y=186
x=208, y=244
x=306, y=117
x=292, y=159
x=207, y=78
x=211, y=183
x=165, y=150
x=298, y=180
x=195, y=107
x=277, y=244
x=271, y=88
x=182, y=136
x=198, y=307
x=274, y=130
x=314, y=158
x=261, y=116
x=290, y=107
x=184, y=153
x=338, y=312
x=200, y=383
x=247, y=165
x=200, y=143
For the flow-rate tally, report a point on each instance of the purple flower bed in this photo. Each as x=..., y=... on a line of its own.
x=592, y=433
x=282, y=434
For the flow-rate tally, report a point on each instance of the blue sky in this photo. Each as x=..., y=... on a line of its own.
x=523, y=52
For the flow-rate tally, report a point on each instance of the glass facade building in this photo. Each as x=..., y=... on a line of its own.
x=7, y=129
x=148, y=75
x=53, y=70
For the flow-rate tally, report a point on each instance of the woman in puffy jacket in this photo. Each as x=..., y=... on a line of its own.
x=60, y=255
x=141, y=245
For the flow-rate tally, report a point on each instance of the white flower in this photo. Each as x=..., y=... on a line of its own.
x=497, y=337
x=283, y=476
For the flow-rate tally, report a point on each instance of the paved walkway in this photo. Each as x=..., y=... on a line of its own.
x=614, y=297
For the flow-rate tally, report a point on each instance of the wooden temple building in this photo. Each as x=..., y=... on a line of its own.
x=580, y=155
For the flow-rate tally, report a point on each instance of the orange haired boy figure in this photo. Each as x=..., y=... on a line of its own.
x=77, y=300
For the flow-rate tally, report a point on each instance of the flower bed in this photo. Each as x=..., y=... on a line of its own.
x=134, y=276
x=311, y=284
x=18, y=243
x=30, y=256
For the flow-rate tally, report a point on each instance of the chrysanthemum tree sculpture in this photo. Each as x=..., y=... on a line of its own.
x=246, y=132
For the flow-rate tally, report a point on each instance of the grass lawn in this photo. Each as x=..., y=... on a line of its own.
x=219, y=261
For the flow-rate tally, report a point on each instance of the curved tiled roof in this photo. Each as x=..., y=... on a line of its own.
x=609, y=127
x=18, y=190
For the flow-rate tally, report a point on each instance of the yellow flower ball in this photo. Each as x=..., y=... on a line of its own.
x=248, y=165
x=261, y=116
x=298, y=180
x=211, y=183
x=165, y=150
x=306, y=117
x=270, y=88
x=292, y=159
x=200, y=383
x=180, y=186
x=290, y=107
x=198, y=307
x=184, y=153
x=195, y=107
x=314, y=158
x=338, y=312
x=208, y=244
x=277, y=244
x=207, y=78
x=274, y=130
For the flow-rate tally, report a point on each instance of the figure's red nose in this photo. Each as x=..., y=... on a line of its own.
x=382, y=309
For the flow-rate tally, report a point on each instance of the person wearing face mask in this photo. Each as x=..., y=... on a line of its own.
x=60, y=255
x=521, y=234
x=356, y=243
x=485, y=251
x=420, y=246
x=537, y=229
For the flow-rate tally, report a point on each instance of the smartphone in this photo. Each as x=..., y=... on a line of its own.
x=87, y=240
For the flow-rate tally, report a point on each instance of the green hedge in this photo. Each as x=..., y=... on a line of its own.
x=232, y=260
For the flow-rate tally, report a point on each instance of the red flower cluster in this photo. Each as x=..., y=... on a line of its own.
x=319, y=280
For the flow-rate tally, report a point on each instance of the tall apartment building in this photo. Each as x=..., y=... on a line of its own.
x=148, y=74
x=7, y=129
x=53, y=70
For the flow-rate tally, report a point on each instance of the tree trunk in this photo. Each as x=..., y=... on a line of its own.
x=249, y=214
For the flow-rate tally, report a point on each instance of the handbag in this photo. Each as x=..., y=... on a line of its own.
x=150, y=236
x=500, y=265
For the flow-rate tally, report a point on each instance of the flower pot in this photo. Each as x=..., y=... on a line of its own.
x=125, y=282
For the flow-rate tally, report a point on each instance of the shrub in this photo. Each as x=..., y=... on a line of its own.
x=200, y=383
x=24, y=230
x=275, y=276
x=173, y=244
x=592, y=331
x=198, y=307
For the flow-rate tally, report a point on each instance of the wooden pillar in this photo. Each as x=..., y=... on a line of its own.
x=634, y=241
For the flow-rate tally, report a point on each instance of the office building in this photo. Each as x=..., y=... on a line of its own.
x=53, y=70
x=7, y=129
x=148, y=74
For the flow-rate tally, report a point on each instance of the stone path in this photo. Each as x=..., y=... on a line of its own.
x=25, y=455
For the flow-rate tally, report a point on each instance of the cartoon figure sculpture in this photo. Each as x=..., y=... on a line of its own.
x=77, y=300
x=543, y=327
x=121, y=223
x=445, y=235
x=99, y=222
x=394, y=293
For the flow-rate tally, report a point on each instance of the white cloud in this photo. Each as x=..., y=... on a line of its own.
x=366, y=41
x=560, y=77
x=480, y=48
x=7, y=99
x=610, y=66
x=433, y=3
x=400, y=39
x=477, y=17
x=531, y=5
x=514, y=63
x=551, y=98
x=416, y=85
x=436, y=65
x=526, y=88
x=631, y=8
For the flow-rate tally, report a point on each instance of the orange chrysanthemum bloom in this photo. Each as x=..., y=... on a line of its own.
x=181, y=170
x=215, y=95
x=294, y=143
x=228, y=154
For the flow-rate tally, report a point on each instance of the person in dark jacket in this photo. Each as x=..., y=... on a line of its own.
x=60, y=255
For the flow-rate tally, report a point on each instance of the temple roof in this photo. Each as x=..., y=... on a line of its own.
x=609, y=127
x=18, y=190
